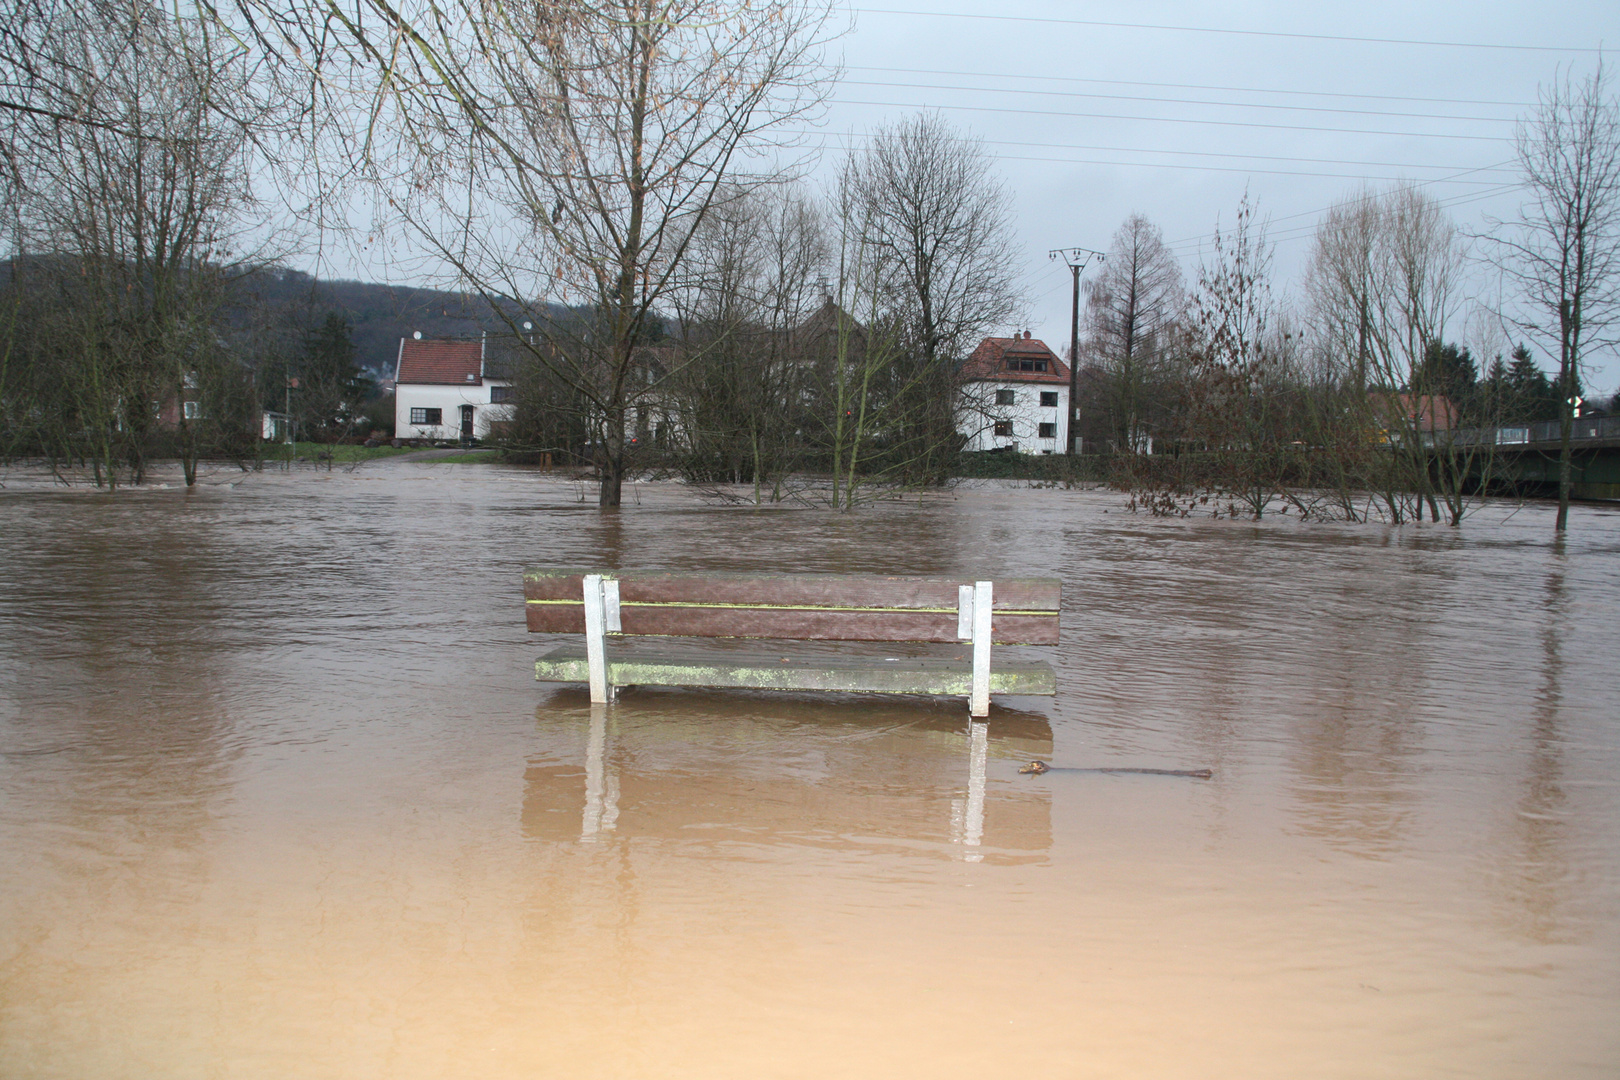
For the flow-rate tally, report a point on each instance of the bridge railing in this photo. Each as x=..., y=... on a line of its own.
x=1587, y=427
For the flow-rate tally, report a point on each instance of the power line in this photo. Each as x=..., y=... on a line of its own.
x=1223, y=30
x=1182, y=153
x=1180, y=101
x=1217, y=168
x=1196, y=86
x=1299, y=232
x=1200, y=238
x=1177, y=120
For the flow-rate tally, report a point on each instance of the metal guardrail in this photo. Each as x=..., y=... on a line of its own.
x=1585, y=428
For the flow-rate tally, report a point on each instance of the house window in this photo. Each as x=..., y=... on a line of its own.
x=193, y=410
x=1048, y=399
x=427, y=417
x=1004, y=397
x=499, y=395
x=1047, y=431
x=1003, y=427
x=1026, y=365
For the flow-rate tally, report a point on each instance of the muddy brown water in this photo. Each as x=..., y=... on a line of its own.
x=279, y=798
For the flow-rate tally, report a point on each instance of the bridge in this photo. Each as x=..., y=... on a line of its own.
x=1528, y=454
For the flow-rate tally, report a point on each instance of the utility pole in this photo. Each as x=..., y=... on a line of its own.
x=1076, y=259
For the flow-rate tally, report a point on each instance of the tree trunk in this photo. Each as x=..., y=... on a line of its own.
x=612, y=465
x=1568, y=336
x=1566, y=424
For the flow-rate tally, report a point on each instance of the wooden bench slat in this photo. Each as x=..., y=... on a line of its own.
x=803, y=607
x=803, y=590
x=793, y=623
x=567, y=663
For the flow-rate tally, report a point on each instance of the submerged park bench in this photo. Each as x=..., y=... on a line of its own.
x=798, y=607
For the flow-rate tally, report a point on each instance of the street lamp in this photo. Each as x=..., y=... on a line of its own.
x=1076, y=260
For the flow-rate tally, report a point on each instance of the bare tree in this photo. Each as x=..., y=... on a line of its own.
x=1341, y=281
x=863, y=390
x=1420, y=270
x=563, y=152
x=130, y=204
x=1132, y=310
x=939, y=246
x=1564, y=251
x=1237, y=411
x=1384, y=282
x=757, y=273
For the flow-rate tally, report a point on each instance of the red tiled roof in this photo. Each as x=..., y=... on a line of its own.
x=989, y=361
x=442, y=362
x=1432, y=413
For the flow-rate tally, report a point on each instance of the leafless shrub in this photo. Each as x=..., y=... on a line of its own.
x=1563, y=251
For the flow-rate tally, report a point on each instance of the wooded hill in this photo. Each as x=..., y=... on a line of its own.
x=379, y=315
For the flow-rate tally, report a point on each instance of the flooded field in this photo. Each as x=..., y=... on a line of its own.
x=279, y=798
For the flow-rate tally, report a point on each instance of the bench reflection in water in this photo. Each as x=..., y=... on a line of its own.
x=698, y=767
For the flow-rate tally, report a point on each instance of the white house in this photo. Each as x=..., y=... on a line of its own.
x=1014, y=396
x=446, y=389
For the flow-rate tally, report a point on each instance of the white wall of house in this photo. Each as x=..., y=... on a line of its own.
x=448, y=400
x=273, y=427
x=983, y=411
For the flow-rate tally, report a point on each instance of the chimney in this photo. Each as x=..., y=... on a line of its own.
x=1026, y=335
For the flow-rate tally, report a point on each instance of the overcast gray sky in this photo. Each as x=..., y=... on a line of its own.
x=1176, y=115
x=1171, y=109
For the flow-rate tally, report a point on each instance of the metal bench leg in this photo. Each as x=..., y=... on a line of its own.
x=596, y=640
x=979, y=702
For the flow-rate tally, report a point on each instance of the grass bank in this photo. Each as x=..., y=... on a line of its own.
x=341, y=454
x=1048, y=468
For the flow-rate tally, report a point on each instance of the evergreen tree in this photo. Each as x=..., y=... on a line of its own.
x=1446, y=371
x=1492, y=401
x=1531, y=398
x=328, y=392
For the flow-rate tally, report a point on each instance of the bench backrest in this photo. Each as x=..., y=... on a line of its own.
x=803, y=607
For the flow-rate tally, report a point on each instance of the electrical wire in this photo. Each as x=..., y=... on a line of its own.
x=1194, y=86
x=1179, y=101
x=1174, y=120
x=1210, y=168
x=1299, y=232
x=1178, y=153
x=1047, y=20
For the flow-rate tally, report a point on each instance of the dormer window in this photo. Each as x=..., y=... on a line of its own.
x=1025, y=365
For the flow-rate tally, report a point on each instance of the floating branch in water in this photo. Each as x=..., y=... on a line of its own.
x=1038, y=766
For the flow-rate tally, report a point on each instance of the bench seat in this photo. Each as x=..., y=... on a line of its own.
x=617, y=606
x=695, y=667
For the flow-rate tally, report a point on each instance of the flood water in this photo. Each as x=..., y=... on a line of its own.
x=280, y=798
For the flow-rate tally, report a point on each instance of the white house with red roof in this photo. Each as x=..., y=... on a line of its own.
x=446, y=389
x=1014, y=396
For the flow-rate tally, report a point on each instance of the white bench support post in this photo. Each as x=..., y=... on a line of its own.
x=979, y=702
x=596, y=619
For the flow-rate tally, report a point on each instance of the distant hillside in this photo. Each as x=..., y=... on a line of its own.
x=379, y=315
